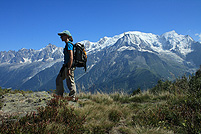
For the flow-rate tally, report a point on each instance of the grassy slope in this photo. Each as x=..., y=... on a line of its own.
x=169, y=107
x=114, y=112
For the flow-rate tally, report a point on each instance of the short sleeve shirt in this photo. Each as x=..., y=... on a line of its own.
x=69, y=46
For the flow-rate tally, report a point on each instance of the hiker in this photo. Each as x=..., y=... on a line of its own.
x=67, y=71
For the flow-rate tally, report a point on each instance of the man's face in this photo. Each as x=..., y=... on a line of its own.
x=63, y=37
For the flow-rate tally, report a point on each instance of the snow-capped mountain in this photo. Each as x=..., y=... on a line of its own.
x=50, y=52
x=120, y=61
x=167, y=42
x=17, y=68
x=165, y=56
x=170, y=41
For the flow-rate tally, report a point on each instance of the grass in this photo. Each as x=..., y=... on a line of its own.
x=112, y=113
x=169, y=107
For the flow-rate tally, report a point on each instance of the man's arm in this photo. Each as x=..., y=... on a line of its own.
x=70, y=62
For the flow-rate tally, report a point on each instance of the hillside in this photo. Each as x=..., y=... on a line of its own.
x=169, y=107
x=120, y=62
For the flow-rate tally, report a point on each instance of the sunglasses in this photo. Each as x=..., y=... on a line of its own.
x=62, y=36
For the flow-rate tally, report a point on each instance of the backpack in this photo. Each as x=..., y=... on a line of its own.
x=79, y=56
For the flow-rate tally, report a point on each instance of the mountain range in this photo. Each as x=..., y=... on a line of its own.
x=126, y=62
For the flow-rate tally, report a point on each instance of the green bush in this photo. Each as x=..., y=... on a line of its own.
x=181, y=113
x=161, y=86
x=135, y=92
x=179, y=118
x=194, y=86
x=114, y=115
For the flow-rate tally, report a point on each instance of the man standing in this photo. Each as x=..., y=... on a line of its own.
x=67, y=71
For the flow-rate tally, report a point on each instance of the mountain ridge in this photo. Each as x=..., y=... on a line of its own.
x=133, y=50
x=91, y=47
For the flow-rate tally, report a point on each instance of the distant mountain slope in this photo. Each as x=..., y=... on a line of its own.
x=122, y=66
x=125, y=62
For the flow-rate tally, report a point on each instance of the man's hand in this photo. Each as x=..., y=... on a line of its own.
x=69, y=72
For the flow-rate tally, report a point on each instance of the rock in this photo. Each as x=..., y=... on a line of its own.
x=29, y=100
x=24, y=103
x=73, y=104
x=21, y=104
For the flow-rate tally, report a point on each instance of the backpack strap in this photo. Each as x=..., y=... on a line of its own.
x=71, y=43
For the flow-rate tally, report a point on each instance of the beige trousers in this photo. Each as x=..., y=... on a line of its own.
x=69, y=81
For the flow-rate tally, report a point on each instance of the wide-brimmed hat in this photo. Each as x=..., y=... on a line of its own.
x=65, y=32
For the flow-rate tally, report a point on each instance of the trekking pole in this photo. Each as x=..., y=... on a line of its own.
x=81, y=76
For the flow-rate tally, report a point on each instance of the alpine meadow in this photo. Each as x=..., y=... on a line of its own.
x=136, y=83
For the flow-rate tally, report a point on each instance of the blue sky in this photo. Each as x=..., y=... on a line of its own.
x=35, y=23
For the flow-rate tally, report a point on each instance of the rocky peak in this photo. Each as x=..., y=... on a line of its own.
x=177, y=43
x=50, y=52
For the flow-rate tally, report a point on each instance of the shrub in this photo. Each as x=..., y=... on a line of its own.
x=57, y=114
x=138, y=91
x=181, y=115
x=161, y=86
x=195, y=86
x=114, y=115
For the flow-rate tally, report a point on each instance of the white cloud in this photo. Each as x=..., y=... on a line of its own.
x=199, y=35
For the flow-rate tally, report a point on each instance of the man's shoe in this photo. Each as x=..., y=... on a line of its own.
x=73, y=98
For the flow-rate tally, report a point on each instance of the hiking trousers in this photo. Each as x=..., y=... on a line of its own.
x=70, y=81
